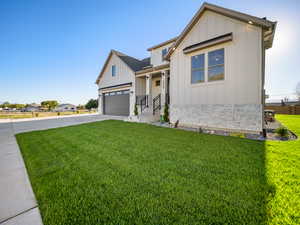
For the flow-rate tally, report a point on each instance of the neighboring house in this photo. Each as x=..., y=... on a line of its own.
x=211, y=75
x=32, y=108
x=65, y=108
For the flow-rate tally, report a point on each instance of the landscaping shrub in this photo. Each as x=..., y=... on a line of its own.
x=136, y=112
x=58, y=113
x=166, y=113
x=36, y=114
x=282, y=132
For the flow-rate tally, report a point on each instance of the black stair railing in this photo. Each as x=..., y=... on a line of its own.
x=156, y=104
x=167, y=99
x=144, y=102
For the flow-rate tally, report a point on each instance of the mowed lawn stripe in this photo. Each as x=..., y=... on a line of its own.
x=115, y=172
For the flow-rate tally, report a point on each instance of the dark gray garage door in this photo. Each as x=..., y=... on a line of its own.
x=116, y=103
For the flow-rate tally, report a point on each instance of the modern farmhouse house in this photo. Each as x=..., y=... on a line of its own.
x=211, y=75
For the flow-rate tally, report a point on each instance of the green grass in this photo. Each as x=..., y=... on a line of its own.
x=114, y=172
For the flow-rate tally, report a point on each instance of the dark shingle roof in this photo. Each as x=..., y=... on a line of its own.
x=131, y=62
x=134, y=63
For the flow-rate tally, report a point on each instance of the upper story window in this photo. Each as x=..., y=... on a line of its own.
x=163, y=53
x=197, y=69
x=113, y=70
x=216, y=65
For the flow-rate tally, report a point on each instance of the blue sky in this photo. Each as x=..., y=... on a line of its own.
x=55, y=49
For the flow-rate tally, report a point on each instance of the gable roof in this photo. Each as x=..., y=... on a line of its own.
x=133, y=63
x=162, y=44
x=261, y=22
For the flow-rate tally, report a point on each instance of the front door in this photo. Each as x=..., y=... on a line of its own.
x=156, y=86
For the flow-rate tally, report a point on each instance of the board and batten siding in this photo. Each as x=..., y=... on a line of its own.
x=156, y=55
x=233, y=103
x=140, y=86
x=123, y=75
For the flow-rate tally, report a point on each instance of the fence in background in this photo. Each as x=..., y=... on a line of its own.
x=291, y=110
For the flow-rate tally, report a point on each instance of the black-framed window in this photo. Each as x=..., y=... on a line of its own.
x=163, y=53
x=157, y=83
x=113, y=70
x=197, y=68
x=216, y=65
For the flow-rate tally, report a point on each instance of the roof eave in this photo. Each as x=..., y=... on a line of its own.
x=162, y=44
x=265, y=24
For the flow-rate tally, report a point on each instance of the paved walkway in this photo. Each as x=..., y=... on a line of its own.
x=18, y=205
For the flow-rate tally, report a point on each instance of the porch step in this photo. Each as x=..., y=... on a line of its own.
x=147, y=117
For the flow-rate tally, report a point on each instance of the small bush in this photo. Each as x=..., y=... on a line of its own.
x=166, y=113
x=36, y=114
x=282, y=132
x=136, y=112
x=58, y=113
x=77, y=111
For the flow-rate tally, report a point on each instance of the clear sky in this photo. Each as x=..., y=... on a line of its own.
x=55, y=49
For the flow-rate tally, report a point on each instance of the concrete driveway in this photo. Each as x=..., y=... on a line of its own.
x=17, y=201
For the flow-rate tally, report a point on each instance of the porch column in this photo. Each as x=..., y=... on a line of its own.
x=100, y=103
x=149, y=89
x=163, y=86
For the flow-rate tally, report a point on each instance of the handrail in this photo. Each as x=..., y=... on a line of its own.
x=167, y=98
x=144, y=103
x=156, y=103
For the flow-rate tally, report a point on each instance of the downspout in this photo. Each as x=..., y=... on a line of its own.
x=263, y=61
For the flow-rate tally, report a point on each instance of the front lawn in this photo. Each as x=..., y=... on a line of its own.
x=115, y=172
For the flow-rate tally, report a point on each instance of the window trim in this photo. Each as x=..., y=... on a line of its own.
x=209, y=67
x=199, y=69
x=157, y=83
x=206, y=81
x=113, y=70
x=162, y=55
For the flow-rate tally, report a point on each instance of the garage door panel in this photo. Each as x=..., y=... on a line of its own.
x=116, y=105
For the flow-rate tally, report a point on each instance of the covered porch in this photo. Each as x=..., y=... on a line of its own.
x=152, y=89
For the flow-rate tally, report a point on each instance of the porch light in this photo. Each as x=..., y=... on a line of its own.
x=250, y=22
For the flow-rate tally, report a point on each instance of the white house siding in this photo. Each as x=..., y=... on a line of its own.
x=156, y=56
x=140, y=86
x=234, y=103
x=123, y=75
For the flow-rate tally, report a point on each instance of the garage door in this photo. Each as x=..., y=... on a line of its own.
x=116, y=103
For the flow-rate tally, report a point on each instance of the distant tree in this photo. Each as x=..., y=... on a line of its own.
x=4, y=104
x=50, y=104
x=92, y=104
x=12, y=106
x=80, y=106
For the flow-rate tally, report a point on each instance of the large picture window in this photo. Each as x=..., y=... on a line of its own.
x=216, y=65
x=197, y=68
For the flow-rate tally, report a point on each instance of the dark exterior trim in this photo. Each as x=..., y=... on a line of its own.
x=114, y=86
x=153, y=69
x=208, y=43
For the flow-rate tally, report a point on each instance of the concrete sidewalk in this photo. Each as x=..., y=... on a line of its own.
x=18, y=205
